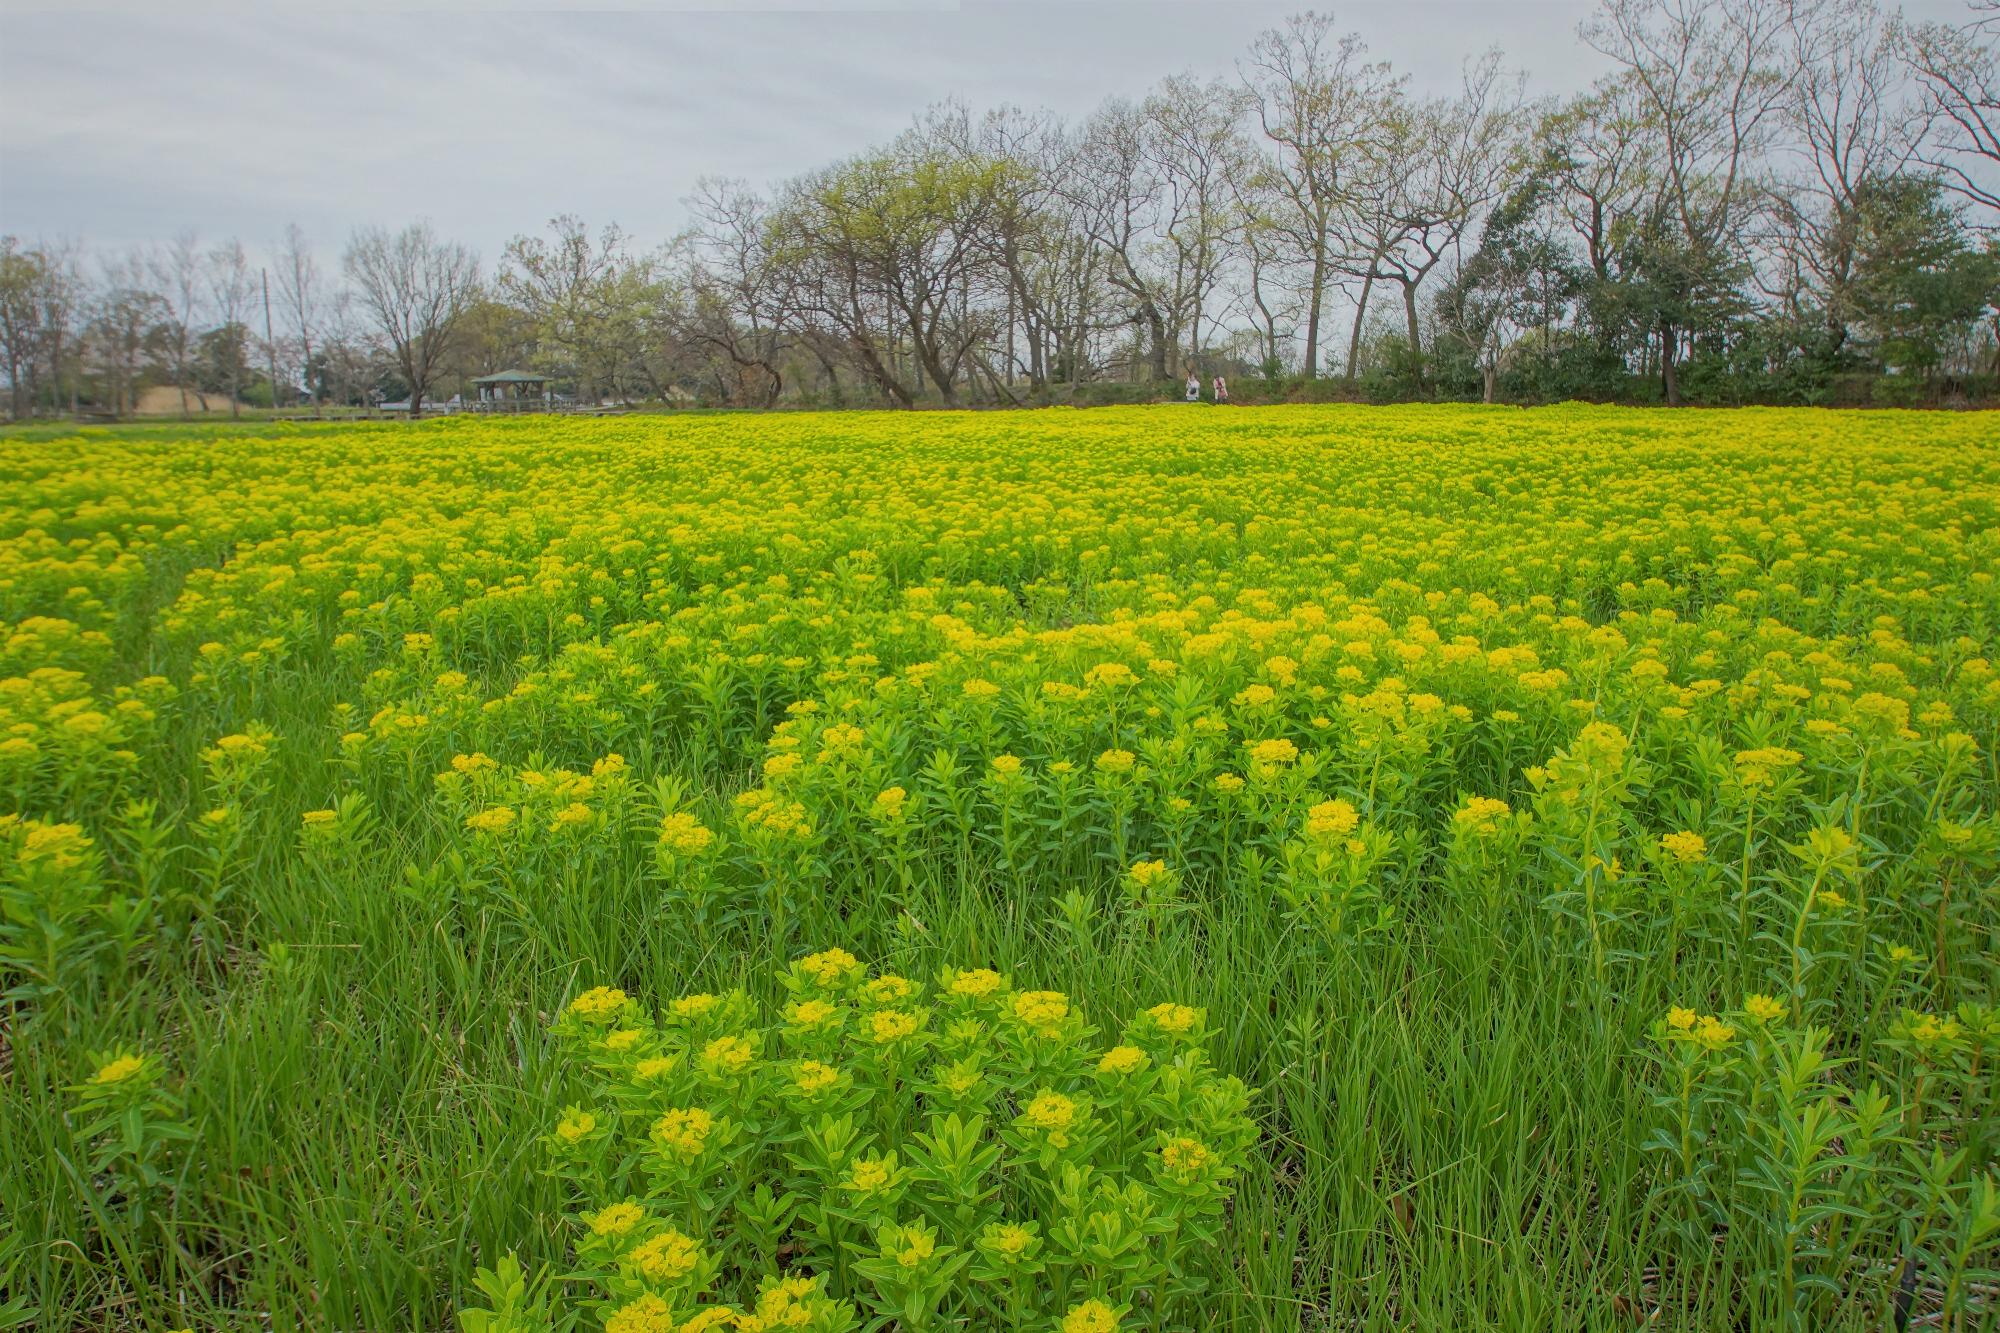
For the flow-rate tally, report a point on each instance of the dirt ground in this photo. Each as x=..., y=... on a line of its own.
x=163, y=400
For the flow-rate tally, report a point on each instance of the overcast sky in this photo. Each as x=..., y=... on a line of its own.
x=124, y=126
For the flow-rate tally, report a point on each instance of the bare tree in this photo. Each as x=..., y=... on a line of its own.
x=1958, y=67
x=894, y=245
x=737, y=307
x=1066, y=292
x=1462, y=153
x=65, y=301
x=1038, y=249
x=1270, y=305
x=830, y=282
x=1520, y=280
x=1710, y=187
x=302, y=298
x=1320, y=103
x=1849, y=127
x=230, y=289
x=43, y=292
x=1111, y=178
x=1709, y=77
x=584, y=296
x=349, y=357
x=177, y=276
x=1600, y=150
x=415, y=287
x=21, y=277
x=1197, y=148
x=1375, y=214
x=125, y=313
x=1708, y=74
x=1258, y=294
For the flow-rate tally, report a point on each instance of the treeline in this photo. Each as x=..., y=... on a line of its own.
x=1761, y=201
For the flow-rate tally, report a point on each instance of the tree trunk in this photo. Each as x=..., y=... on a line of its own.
x=1010, y=325
x=1270, y=339
x=1488, y=373
x=1316, y=297
x=885, y=379
x=55, y=373
x=923, y=351
x=1668, y=377
x=1157, y=328
x=834, y=396
x=1410, y=317
x=1360, y=314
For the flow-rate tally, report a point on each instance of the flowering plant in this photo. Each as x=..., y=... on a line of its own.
x=954, y=1154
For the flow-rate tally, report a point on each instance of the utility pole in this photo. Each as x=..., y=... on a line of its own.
x=270, y=345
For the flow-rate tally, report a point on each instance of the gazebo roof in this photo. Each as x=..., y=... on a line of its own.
x=512, y=377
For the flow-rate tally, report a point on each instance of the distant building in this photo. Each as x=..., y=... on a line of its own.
x=509, y=391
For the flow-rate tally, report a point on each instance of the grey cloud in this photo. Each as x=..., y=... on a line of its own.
x=126, y=127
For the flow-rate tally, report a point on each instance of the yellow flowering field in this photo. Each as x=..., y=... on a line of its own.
x=1140, y=869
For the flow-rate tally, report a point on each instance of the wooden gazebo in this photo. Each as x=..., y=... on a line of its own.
x=509, y=391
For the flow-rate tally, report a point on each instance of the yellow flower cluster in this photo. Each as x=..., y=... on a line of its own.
x=832, y=969
x=1684, y=847
x=1705, y=1030
x=1649, y=698
x=598, y=1003
x=1272, y=753
x=119, y=1070
x=1479, y=815
x=666, y=1257
x=1051, y=1114
x=1330, y=820
x=809, y=1106
x=684, y=835
x=684, y=1131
